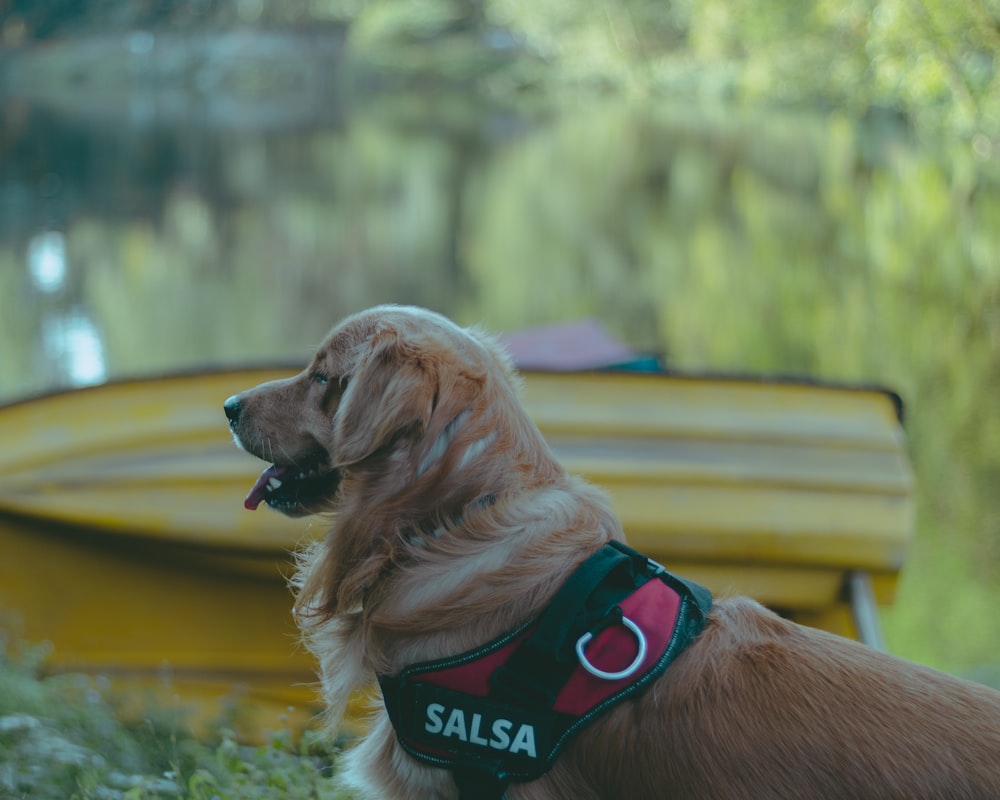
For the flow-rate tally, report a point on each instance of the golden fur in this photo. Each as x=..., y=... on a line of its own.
x=403, y=423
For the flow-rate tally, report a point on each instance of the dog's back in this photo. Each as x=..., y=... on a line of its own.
x=759, y=707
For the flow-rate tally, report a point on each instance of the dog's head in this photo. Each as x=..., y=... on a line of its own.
x=397, y=396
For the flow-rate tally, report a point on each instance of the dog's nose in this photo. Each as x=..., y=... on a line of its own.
x=233, y=406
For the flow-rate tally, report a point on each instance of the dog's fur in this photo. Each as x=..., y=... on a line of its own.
x=410, y=422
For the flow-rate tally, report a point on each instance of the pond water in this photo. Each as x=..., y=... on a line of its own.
x=143, y=231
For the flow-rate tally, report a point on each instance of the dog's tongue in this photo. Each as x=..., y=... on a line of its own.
x=256, y=496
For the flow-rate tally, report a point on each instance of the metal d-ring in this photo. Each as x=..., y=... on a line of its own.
x=630, y=670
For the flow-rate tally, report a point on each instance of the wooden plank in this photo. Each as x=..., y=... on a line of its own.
x=746, y=523
x=698, y=461
x=774, y=586
x=211, y=454
x=786, y=527
x=635, y=404
x=187, y=408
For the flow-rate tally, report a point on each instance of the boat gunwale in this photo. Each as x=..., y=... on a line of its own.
x=734, y=378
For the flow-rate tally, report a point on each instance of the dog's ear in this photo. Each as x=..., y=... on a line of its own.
x=393, y=389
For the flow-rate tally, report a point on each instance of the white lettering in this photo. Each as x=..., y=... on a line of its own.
x=525, y=740
x=434, y=724
x=501, y=738
x=456, y=725
x=474, y=736
x=473, y=731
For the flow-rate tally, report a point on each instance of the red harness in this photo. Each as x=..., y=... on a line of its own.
x=503, y=711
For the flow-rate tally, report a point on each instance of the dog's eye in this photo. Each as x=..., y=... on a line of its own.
x=322, y=380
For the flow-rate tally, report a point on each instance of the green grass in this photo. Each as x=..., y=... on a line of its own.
x=62, y=738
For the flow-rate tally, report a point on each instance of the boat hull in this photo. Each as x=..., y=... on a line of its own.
x=125, y=542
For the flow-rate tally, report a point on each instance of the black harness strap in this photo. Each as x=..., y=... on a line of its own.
x=479, y=783
x=526, y=693
x=539, y=668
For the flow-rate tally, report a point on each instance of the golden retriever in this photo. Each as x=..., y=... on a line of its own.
x=401, y=425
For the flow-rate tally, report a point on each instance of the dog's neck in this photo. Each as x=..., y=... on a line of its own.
x=419, y=533
x=481, y=573
x=443, y=443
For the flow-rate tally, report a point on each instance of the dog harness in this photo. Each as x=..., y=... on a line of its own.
x=502, y=712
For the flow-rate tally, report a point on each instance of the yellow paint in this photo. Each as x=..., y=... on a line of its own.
x=124, y=541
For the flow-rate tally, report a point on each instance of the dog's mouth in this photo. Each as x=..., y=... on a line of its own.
x=293, y=490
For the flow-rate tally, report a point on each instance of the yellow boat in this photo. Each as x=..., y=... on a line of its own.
x=125, y=543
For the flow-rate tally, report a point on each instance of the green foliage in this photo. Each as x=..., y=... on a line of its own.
x=61, y=739
x=935, y=61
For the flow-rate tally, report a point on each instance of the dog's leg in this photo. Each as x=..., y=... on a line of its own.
x=338, y=646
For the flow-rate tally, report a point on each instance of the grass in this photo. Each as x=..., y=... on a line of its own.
x=61, y=738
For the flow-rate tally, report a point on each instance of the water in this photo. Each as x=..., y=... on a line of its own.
x=146, y=228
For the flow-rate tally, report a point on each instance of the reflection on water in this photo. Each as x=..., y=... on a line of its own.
x=136, y=242
x=72, y=345
x=47, y=261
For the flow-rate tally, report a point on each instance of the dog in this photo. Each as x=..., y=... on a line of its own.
x=454, y=524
